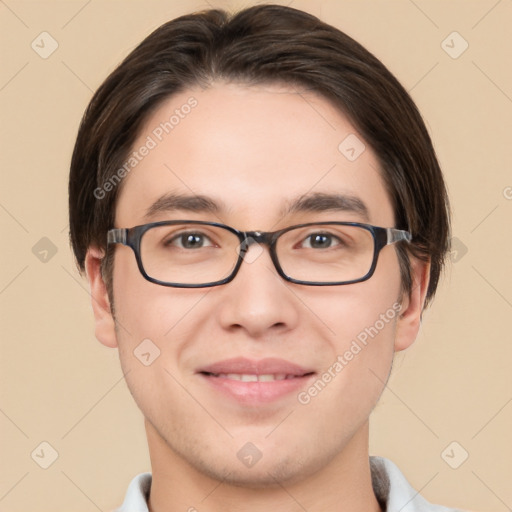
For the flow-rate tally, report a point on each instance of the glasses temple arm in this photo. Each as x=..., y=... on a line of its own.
x=397, y=235
x=116, y=236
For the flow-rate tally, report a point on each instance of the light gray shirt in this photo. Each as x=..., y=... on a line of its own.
x=393, y=491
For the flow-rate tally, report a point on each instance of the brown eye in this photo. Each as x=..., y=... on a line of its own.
x=320, y=241
x=190, y=241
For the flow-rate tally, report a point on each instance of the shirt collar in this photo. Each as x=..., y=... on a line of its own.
x=393, y=491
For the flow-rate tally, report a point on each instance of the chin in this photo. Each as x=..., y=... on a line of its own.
x=264, y=474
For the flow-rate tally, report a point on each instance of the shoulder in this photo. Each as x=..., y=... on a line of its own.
x=137, y=494
x=392, y=488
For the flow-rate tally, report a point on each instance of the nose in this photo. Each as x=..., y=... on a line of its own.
x=258, y=301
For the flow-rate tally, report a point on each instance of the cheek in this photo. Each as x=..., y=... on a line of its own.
x=365, y=333
x=148, y=310
x=354, y=377
x=362, y=310
x=361, y=323
x=153, y=329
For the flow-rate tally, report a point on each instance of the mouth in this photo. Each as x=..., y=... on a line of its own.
x=253, y=377
x=256, y=382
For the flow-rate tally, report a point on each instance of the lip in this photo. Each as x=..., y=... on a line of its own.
x=259, y=392
x=269, y=365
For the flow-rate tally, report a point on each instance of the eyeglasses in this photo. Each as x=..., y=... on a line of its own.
x=197, y=254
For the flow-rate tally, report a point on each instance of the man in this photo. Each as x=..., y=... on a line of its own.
x=262, y=219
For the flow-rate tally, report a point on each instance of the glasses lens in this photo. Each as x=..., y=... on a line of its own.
x=190, y=254
x=326, y=253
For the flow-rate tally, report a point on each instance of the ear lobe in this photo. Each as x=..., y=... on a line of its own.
x=104, y=321
x=409, y=320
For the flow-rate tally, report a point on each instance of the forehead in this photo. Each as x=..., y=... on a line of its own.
x=253, y=150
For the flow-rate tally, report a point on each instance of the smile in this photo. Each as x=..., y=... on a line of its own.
x=255, y=382
x=251, y=377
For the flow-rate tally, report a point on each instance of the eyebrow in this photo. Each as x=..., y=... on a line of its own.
x=322, y=202
x=312, y=202
x=190, y=203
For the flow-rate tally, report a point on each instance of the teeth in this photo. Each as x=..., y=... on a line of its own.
x=246, y=377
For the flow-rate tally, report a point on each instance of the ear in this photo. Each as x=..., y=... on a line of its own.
x=409, y=320
x=104, y=321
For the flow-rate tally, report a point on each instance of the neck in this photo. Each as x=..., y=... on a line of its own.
x=344, y=484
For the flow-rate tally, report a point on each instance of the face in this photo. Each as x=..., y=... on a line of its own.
x=253, y=152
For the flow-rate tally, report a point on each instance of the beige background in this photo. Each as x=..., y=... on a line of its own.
x=59, y=385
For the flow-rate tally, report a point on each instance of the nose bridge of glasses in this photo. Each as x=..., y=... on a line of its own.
x=255, y=237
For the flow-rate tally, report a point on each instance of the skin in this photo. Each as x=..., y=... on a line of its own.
x=255, y=149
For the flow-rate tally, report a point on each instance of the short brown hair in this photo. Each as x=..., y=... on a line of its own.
x=262, y=44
